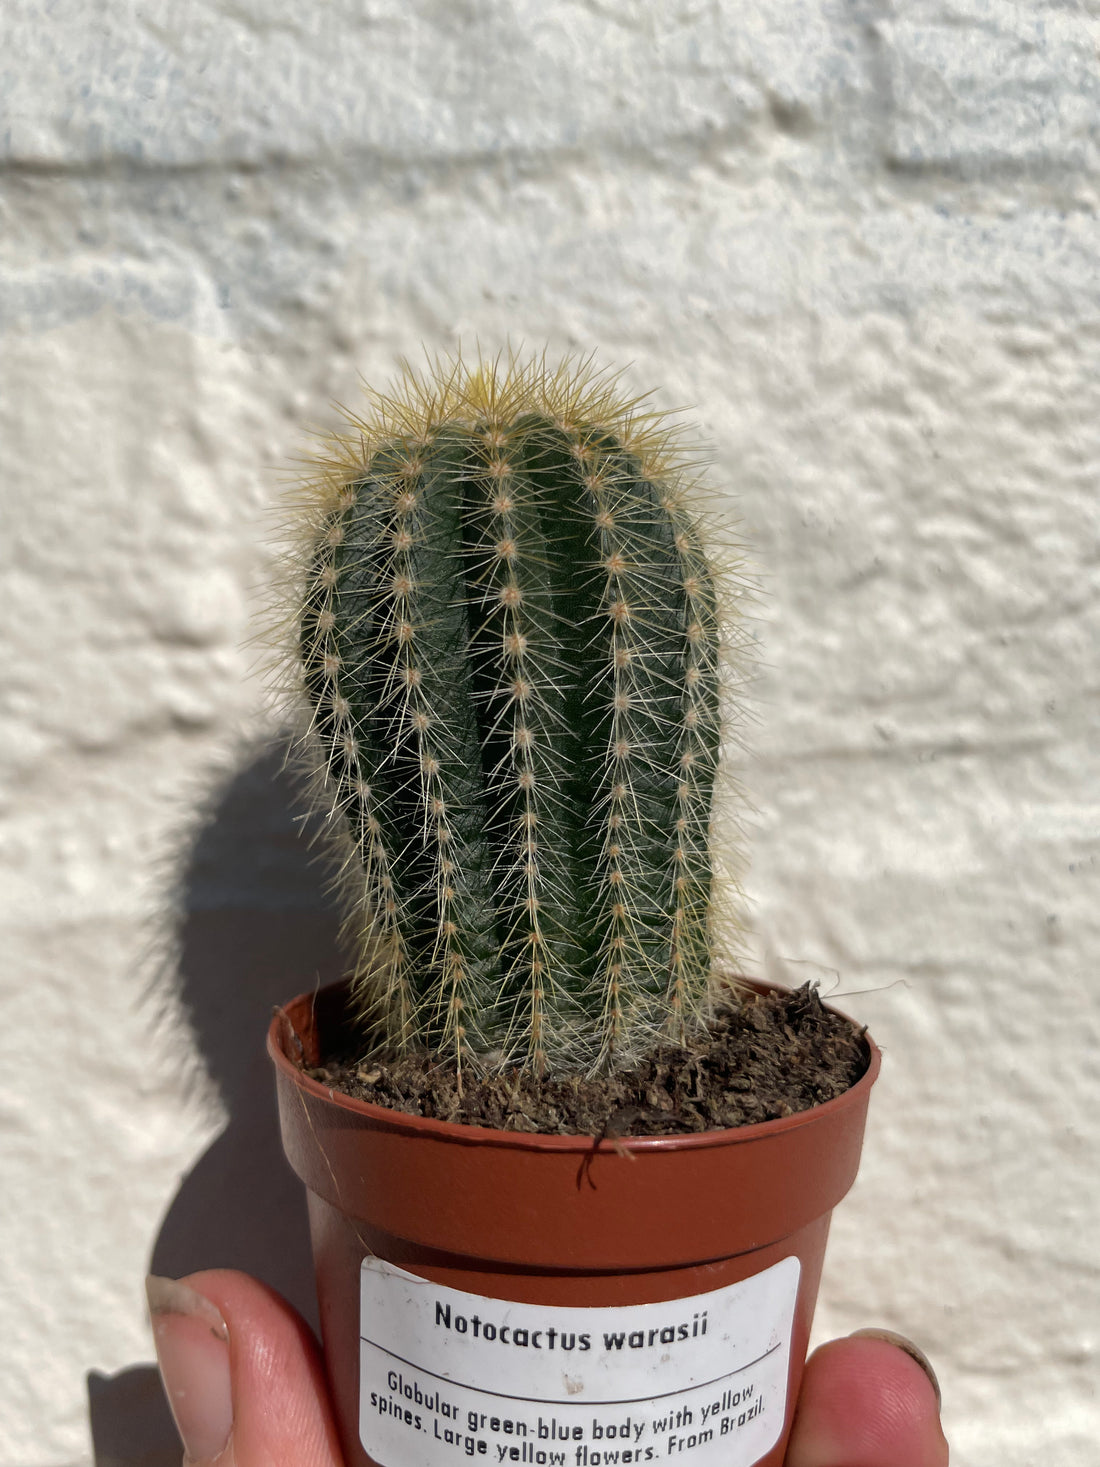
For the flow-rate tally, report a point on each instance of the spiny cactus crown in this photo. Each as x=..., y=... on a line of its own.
x=510, y=645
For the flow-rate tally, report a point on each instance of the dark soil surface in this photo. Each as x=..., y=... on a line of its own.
x=766, y=1055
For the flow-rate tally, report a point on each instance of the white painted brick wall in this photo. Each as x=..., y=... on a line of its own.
x=862, y=239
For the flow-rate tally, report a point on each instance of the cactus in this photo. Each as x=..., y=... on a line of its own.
x=510, y=645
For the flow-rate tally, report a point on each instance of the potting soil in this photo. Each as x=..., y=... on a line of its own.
x=765, y=1056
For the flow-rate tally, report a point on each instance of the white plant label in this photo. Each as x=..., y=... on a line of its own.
x=446, y=1375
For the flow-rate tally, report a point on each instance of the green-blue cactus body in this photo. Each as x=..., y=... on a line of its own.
x=511, y=651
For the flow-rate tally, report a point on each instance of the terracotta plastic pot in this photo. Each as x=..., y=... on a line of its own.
x=690, y=1264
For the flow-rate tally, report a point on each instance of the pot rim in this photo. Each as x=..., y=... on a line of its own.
x=458, y=1133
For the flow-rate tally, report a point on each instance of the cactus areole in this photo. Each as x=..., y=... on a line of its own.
x=511, y=649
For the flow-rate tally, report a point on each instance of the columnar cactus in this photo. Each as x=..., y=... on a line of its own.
x=510, y=646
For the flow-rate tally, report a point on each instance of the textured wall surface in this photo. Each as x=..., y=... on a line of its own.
x=861, y=238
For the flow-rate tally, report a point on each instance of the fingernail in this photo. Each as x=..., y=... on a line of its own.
x=913, y=1351
x=193, y=1354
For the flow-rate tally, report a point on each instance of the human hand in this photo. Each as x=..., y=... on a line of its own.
x=247, y=1387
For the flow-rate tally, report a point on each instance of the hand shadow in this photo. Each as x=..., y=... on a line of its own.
x=256, y=928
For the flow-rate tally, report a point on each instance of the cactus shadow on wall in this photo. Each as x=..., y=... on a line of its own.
x=256, y=928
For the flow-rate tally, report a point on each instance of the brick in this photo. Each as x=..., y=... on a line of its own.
x=978, y=86
x=190, y=84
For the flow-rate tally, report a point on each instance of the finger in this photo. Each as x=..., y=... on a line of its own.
x=866, y=1402
x=242, y=1372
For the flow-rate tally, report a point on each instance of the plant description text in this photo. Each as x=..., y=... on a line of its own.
x=447, y=1376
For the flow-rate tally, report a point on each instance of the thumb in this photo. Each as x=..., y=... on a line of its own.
x=868, y=1401
x=242, y=1373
